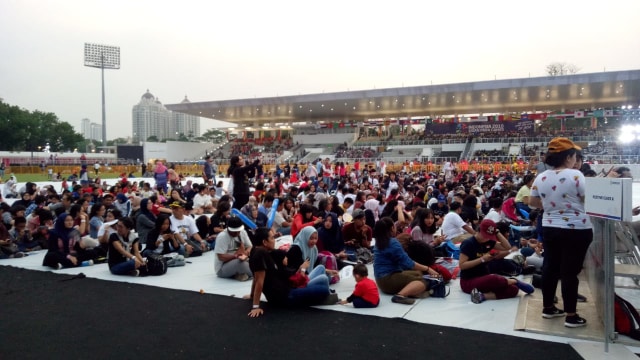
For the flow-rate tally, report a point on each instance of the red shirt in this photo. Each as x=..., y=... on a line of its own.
x=367, y=289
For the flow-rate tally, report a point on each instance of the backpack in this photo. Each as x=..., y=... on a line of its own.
x=329, y=261
x=156, y=265
x=627, y=319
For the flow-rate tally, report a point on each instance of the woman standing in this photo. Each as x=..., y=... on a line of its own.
x=567, y=234
x=241, y=175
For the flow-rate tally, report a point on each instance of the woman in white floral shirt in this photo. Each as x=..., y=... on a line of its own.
x=566, y=228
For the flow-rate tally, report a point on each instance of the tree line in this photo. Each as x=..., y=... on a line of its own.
x=24, y=130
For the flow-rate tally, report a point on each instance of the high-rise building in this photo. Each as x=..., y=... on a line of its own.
x=151, y=118
x=186, y=124
x=95, y=132
x=90, y=130
x=85, y=128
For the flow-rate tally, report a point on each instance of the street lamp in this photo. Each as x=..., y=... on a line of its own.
x=102, y=57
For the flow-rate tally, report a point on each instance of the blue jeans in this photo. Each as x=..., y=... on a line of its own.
x=285, y=230
x=124, y=268
x=315, y=292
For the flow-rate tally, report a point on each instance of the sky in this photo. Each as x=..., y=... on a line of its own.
x=222, y=50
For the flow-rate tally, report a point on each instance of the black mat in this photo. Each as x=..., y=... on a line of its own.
x=45, y=317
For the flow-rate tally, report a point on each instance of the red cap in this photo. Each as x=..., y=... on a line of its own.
x=488, y=229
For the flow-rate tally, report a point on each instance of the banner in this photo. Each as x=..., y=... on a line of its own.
x=476, y=127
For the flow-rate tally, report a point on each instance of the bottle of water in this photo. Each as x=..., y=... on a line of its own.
x=87, y=263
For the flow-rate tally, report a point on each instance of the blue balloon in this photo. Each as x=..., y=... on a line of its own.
x=272, y=212
x=244, y=219
x=525, y=214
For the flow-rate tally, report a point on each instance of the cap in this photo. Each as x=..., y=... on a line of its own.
x=175, y=205
x=488, y=229
x=441, y=198
x=234, y=224
x=560, y=144
x=357, y=213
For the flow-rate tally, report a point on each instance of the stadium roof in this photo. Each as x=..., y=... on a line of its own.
x=550, y=93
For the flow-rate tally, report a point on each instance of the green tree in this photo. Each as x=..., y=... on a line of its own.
x=24, y=130
x=153, y=138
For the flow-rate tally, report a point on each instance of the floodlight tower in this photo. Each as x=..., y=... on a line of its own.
x=103, y=57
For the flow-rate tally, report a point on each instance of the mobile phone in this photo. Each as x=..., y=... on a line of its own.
x=494, y=252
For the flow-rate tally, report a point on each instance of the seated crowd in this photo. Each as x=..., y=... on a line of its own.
x=403, y=224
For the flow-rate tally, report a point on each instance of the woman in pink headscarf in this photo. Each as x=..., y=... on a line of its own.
x=161, y=175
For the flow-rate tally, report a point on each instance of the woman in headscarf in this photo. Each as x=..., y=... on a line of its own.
x=330, y=240
x=65, y=248
x=161, y=175
x=123, y=204
x=303, y=257
x=145, y=221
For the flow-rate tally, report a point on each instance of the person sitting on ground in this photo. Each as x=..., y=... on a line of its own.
x=366, y=294
x=8, y=247
x=232, y=250
x=124, y=251
x=453, y=227
x=357, y=233
x=186, y=231
x=330, y=239
x=65, y=246
x=21, y=236
x=145, y=221
x=475, y=279
x=394, y=271
x=304, y=251
x=271, y=277
x=161, y=240
x=303, y=219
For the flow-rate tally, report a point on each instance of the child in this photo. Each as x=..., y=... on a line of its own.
x=365, y=295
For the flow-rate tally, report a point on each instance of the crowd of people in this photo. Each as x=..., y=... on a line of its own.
x=402, y=223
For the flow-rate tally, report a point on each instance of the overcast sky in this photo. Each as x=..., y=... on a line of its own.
x=221, y=50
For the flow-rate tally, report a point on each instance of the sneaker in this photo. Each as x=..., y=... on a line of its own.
x=399, y=299
x=574, y=321
x=477, y=297
x=528, y=288
x=552, y=312
x=241, y=277
x=134, y=272
x=581, y=298
x=18, y=255
x=59, y=266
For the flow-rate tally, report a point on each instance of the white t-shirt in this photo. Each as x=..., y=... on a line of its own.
x=561, y=193
x=452, y=225
x=494, y=215
x=186, y=227
x=200, y=201
x=225, y=244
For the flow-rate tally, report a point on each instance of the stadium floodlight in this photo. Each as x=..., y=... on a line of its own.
x=102, y=57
